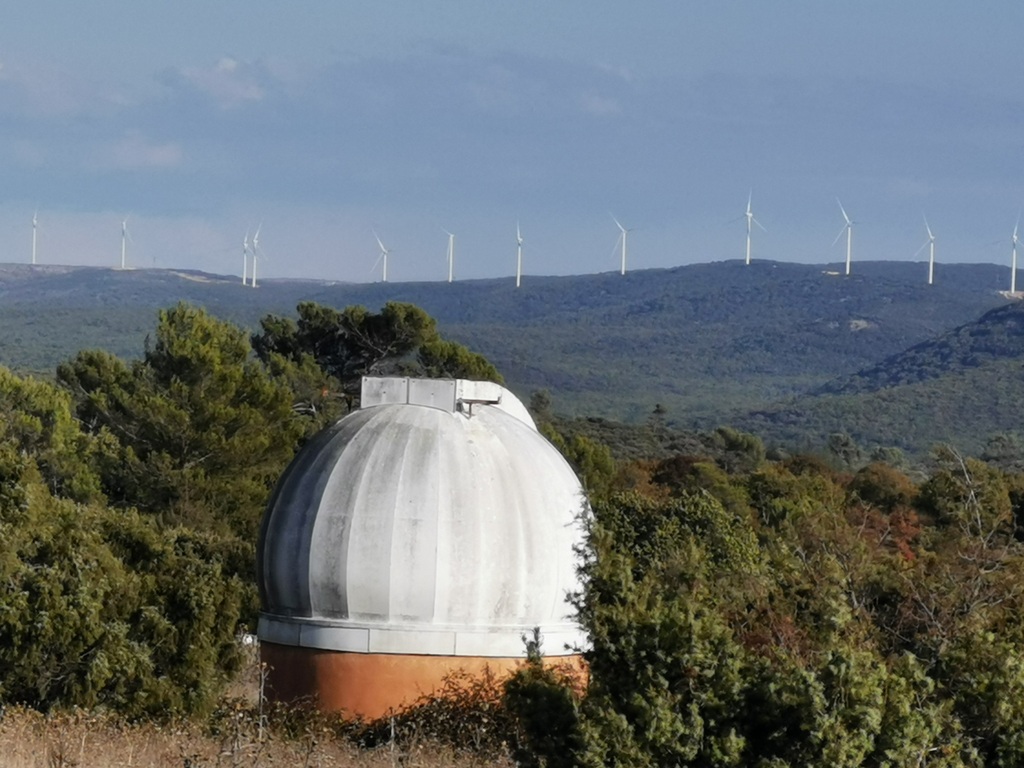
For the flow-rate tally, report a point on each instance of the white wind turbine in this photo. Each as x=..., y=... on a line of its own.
x=1013, y=262
x=255, y=251
x=245, y=258
x=451, y=255
x=622, y=238
x=382, y=259
x=751, y=220
x=519, y=255
x=35, y=226
x=930, y=245
x=848, y=229
x=125, y=237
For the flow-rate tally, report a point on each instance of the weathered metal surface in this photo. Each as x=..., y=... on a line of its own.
x=419, y=526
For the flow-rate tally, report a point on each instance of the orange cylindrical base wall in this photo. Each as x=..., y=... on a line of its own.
x=370, y=685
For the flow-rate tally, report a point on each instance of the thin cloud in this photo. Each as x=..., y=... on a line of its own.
x=596, y=104
x=134, y=152
x=229, y=82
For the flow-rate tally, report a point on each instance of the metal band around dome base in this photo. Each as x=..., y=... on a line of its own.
x=356, y=637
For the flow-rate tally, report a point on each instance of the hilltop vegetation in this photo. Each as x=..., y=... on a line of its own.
x=705, y=341
x=998, y=335
x=964, y=388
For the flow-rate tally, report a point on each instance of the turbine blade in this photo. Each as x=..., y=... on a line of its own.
x=841, y=232
x=615, y=248
x=926, y=244
x=619, y=225
x=758, y=224
x=844, y=211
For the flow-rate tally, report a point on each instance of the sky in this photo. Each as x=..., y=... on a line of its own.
x=327, y=123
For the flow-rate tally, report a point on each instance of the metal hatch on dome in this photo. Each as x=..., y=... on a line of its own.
x=452, y=395
x=470, y=393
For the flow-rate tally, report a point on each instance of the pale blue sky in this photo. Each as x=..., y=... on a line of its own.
x=326, y=121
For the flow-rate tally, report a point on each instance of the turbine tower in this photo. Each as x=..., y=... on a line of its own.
x=519, y=255
x=622, y=237
x=255, y=251
x=35, y=226
x=1013, y=262
x=124, y=240
x=848, y=229
x=930, y=245
x=751, y=220
x=382, y=259
x=451, y=255
x=245, y=258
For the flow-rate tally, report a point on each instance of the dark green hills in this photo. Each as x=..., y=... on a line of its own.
x=713, y=343
x=997, y=336
x=962, y=388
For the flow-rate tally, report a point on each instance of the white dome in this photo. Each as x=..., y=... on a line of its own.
x=434, y=520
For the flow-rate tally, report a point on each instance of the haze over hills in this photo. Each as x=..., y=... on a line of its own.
x=710, y=342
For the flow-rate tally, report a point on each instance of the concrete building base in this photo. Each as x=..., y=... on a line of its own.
x=370, y=685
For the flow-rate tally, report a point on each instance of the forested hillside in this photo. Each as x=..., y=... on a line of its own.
x=707, y=342
x=964, y=388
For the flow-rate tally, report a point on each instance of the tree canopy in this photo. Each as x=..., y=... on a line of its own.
x=131, y=494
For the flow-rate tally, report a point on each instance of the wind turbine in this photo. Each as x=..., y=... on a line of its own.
x=1013, y=263
x=622, y=238
x=255, y=251
x=35, y=226
x=125, y=237
x=751, y=220
x=245, y=258
x=383, y=258
x=930, y=245
x=848, y=229
x=519, y=255
x=451, y=254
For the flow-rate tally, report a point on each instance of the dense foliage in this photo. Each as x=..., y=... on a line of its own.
x=131, y=494
x=783, y=613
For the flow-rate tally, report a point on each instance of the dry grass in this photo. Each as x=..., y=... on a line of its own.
x=80, y=740
x=240, y=734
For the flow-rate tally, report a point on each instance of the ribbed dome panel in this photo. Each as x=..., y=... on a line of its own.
x=407, y=518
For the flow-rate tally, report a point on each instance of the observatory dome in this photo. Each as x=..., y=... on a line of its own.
x=435, y=521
